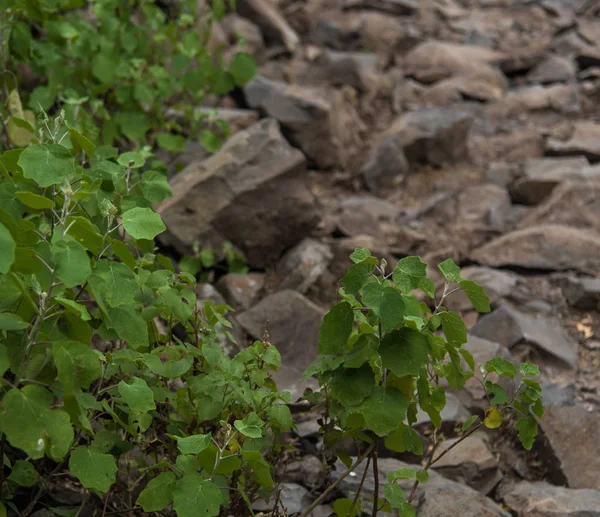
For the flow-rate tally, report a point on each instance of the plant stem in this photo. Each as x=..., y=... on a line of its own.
x=432, y=461
x=360, y=487
x=333, y=486
x=376, y=479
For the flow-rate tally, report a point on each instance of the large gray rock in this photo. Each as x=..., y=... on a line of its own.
x=542, y=499
x=585, y=140
x=365, y=215
x=553, y=69
x=429, y=136
x=471, y=462
x=580, y=292
x=256, y=177
x=355, y=69
x=573, y=203
x=574, y=434
x=318, y=120
x=302, y=266
x=292, y=322
x=563, y=98
x=542, y=175
x=511, y=328
x=547, y=246
x=439, y=496
x=293, y=499
x=241, y=290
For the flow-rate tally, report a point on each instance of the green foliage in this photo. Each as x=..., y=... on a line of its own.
x=116, y=69
x=384, y=355
x=78, y=266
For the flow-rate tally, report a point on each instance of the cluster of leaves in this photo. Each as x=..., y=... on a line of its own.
x=385, y=356
x=116, y=67
x=106, y=355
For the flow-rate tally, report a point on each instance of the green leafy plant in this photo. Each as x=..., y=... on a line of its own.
x=119, y=69
x=106, y=357
x=384, y=355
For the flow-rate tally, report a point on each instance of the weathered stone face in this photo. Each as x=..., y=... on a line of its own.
x=256, y=178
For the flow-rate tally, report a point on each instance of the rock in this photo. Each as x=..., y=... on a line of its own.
x=237, y=27
x=582, y=293
x=241, y=290
x=563, y=98
x=357, y=30
x=355, y=69
x=302, y=266
x=471, y=462
x=434, y=60
x=548, y=246
x=542, y=175
x=542, y=499
x=256, y=176
x=483, y=86
x=500, y=173
x=293, y=499
x=499, y=286
x=553, y=69
x=397, y=7
x=585, y=140
x=432, y=136
x=439, y=496
x=365, y=215
x=574, y=433
x=293, y=324
x=556, y=394
x=573, y=204
x=307, y=471
x=482, y=205
x=511, y=328
x=319, y=121
x=453, y=413
x=268, y=16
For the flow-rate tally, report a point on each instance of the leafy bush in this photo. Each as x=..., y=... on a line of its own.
x=117, y=67
x=383, y=357
x=78, y=266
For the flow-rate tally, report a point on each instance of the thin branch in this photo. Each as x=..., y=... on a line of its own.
x=334, y=485
x=360, y=487
x=376, y=479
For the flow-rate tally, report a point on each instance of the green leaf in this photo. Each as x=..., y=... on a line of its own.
x=170, y=142
x=428, y=287
x=422, y=476
x=85, y=233
x=194, y=444
x=134, y=125
x=30, y=424
x=194, y=496
x=104, y=68
x=386, y=302
x=493, y=418
x=137, y=395
x=4, y=360
x=404, y=439
x=80, y=142
x=342, y=507
x=129, y=325
x=23, y=474
x=408, y=273
x=47, y=164
x=395, y=496
x=352, y=386
x=360, y=254
x=155, y=186
x=357, y=276
x=454, y=328
x=143, y=223
x=469, y=423
x=251, y=426
x=95, y=470
x=384, y=410
x=336, y=329
x=528, y=430
x=243, y=68
x=168, y=369
x=362, y=351
x=158, y=493
x=7, y=249
x=529, y=369
x=132, y=159
x=401, y=473
x=9, y=321
x=501, y=367
x=497, y=393
x=77, y=365
x=113, y=283
x=404, y=351
x=281, y=414
x=3, y=510
x=480, y=300
x=72, y=262
x=78, y=308
x=450, y=271
x=210, y=140
x=34, y=200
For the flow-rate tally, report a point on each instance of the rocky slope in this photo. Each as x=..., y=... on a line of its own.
x=445, y=128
